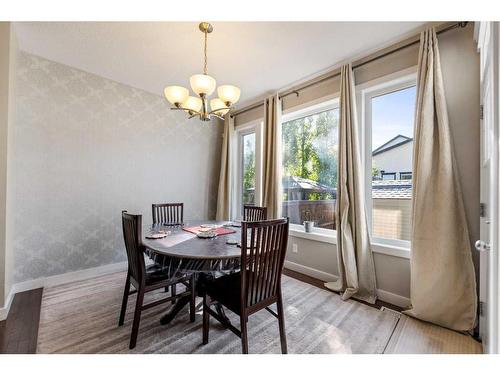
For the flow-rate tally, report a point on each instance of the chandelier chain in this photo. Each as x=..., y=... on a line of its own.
x=205, y=54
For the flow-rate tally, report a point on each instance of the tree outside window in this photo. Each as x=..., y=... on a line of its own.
x=310, y=160
x=249, y=168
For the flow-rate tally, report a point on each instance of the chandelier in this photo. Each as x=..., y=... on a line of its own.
x=203, y=86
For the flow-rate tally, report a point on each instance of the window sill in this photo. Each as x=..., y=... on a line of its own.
x=331, y=238
x=315, y=235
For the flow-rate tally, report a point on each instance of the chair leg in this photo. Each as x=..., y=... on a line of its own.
x=281, y=322
x=244, y=336
x=126, y=291
x=166, y=289
x=192, y=306
x=137, y=318
x=206, y=320
x=173, y=287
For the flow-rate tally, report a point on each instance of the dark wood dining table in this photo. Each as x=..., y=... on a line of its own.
x=184, y=252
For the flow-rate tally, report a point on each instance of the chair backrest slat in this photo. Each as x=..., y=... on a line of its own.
x=268, y=269
x=132, y=235
x=278, y=262
x=254, y=213
x=264, y=246
x=168, y=213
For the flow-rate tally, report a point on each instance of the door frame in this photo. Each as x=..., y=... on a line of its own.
x=487, y=37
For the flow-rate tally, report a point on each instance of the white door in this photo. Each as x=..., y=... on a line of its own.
x=487, y=245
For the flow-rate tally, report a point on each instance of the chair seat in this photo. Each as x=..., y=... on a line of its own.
x=156, y=273
x=226, y=290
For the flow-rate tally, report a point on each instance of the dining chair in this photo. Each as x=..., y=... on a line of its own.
x=146, y=279
x=254, y=213
x=256, y=286
x=168, y=213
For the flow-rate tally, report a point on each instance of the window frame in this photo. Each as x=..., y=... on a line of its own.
x=322, y=234
x=385, y=85
x=254, y=126
x=395, y=248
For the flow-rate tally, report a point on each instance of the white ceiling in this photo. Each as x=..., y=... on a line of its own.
x=259, y=57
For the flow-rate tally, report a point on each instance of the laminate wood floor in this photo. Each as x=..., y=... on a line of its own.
x=19, y=332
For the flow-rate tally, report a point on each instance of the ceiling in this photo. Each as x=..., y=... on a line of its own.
x=258, y=57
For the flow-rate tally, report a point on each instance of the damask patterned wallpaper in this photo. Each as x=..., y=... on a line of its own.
x=84, y=148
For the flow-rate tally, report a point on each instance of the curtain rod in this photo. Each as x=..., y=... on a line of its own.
x=360, y=62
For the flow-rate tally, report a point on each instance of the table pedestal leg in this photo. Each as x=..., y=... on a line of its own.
x=183, y=301
x=171, y=314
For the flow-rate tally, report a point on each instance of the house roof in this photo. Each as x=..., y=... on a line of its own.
x=304, y=184
x=295, y=183
x=397, y=141
x=385, y=189
x=392, y=189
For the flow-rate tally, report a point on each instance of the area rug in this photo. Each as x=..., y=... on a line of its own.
x=82, y=317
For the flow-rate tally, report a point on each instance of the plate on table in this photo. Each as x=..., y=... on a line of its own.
x=206, y=234
x=236, y=224
x=157, y=236
x=210, y=226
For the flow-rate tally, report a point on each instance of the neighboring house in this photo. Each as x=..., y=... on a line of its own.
x=393, y=160
x=391, y=214
x=298, y=188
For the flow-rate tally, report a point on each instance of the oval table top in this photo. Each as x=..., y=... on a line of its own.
x=185, y=245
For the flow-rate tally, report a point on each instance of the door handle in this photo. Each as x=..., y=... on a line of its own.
x=481, y=245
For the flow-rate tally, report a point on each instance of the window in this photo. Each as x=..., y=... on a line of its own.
x=248, y=168
x=389, y=111
x=405, y=175
x=248, y=159
x=309, y=147
x=388, y=176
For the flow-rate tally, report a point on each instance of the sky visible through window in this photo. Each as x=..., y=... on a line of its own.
x=249, y=145
x=392, y=114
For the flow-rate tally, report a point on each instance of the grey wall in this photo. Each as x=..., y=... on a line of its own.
x=460, y=65
x=84, y=148
x=318, y=255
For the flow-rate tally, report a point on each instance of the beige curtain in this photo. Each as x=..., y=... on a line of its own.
x=355, y=258
x=271, y=157
x=443, y=286
x=224, y=193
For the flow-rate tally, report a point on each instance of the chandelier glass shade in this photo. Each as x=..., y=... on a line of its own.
x=203, y=86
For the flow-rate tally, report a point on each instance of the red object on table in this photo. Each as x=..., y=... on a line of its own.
x=220, y=231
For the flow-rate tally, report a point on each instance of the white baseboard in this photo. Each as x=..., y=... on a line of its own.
x=383, y=295
x=59, y=280
x=4, y=311
x=392, y=298
x=309, y=271
x=69, y=277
